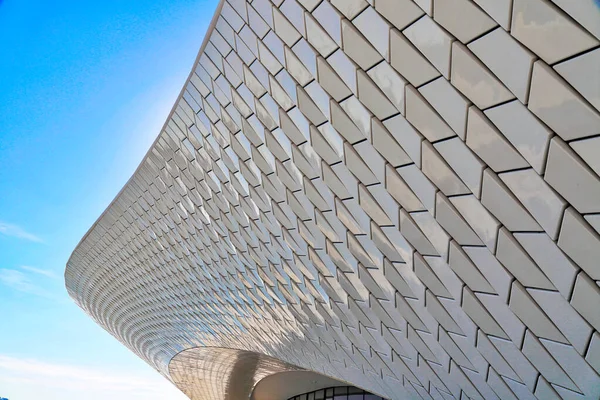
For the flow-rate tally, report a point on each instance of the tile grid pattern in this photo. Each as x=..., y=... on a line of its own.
x=403, y=195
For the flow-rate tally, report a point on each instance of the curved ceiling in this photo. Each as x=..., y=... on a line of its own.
x=211, y=373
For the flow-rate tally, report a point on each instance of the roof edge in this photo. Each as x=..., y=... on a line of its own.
x=209, y=30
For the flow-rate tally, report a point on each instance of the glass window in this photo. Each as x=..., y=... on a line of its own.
x=340, y=390
x=337, y=393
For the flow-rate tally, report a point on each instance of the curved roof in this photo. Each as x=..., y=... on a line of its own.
x=404, y=203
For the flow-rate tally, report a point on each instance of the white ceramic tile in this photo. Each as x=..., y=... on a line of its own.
x=585, y=12
x=287, y=83
x=466, y=270
x=373, y=209
x=434, y=233
x=559, y=106
x=308, y=107
x=253, y=83
x=357, y=47
x=557, y=267
x=390, y=83
x=330, y=20
x=426, y=5
x=481, y=317
x=318, y=37
x=432, y=41
x=593, y=355
x=588, y=149
x=284, y=28
x=419, y=184
x=387, y=146
x=332, y=145
x=502, y=203
x=544, y=390
x=407, y=136
x=235, y=15
x=543, y=361
x=296, y=68
x=547, y=31
x=330, y=81
x=358, y=114
x=409, y=62
x=449, y=103
x=580, y=242
x=420, y=114
x=475, y=81
x=516, y=360
x=482, y=222
x=518, y=263
x=462, y=160
x=265, y=9
x=373, y=160
x=436, y=169
x=532, y=315
x=256, y=22
x=490, y=145
x=529, y=136
x=498, y=9
x=307, y=56
x=582, y=73
x=594, y=221
x=300, y=122
x=350, y=8
x=544, y=204
x=373, y=98
x=345, y=68
x=226, y=31
x=568, y=321
x=295, y=14
x=587, y=380
x=401, y=191
x=571, y=177
x=415, y=236
x=454, y=223
x=586, y=295
x=376, y=29
x=494, y=272
x=344, y=125
x=507, y=59
x=309, y=4
x=452, y=14
x=400, y=13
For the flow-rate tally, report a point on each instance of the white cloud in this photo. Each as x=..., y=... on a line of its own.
x=17, y=232
x=40, y=271
x=26, y=378
x=19, y=281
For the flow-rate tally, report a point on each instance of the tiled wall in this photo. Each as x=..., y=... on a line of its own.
x=403, y=195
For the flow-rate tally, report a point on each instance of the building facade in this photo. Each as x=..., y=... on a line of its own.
x=398, y=195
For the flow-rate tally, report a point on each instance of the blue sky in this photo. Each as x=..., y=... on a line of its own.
x=84, y=89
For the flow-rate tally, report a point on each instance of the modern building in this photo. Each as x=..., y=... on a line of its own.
x=399, y=196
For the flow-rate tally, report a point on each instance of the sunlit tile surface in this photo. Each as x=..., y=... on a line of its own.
x=414, y=212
